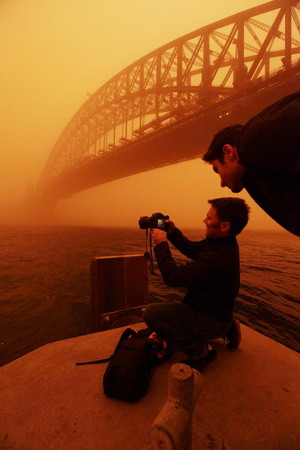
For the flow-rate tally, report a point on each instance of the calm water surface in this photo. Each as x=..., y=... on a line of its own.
x=45, y=287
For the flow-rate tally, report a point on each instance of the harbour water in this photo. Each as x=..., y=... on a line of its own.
x=45, y=283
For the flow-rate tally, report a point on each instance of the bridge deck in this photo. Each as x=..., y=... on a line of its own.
x=249, y=398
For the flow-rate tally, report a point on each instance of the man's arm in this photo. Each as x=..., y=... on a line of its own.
x=186, y=275
x=188, y=248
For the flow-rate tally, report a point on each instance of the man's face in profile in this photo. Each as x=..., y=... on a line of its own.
x=214, y=226
x=231, y=172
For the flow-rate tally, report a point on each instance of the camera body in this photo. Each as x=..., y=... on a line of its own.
x=157, y=220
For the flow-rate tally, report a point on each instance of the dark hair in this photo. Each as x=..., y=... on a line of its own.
x=233, y=210
x=227, y=135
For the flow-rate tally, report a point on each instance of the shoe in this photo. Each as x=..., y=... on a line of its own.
x=200, y=363
x=233, y=336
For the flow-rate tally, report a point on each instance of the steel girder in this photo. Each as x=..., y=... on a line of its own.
x=177, y=80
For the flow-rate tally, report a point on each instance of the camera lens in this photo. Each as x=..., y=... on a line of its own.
x=144, y=222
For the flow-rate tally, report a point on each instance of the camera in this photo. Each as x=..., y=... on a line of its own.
x=157, y=220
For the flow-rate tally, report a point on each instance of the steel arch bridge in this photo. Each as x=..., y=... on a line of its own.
x=165, y=107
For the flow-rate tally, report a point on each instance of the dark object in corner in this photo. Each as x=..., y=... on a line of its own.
x=130, y=368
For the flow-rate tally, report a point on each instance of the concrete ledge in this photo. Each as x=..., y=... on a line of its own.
x=250, y=398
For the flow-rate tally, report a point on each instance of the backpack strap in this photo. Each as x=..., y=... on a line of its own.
x=126, y=334
x=94, y=362
x=129, y=332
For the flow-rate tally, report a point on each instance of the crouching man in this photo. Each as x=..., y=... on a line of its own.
x=212, y=280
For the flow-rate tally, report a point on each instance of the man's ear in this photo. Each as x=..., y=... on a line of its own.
x=225, y=227
x=229, y=152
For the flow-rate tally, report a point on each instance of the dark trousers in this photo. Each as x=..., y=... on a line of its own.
x=178, y=324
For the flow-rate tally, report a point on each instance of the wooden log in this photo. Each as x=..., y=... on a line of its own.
x=172, y=429
x=121, y=318
x=117, y=283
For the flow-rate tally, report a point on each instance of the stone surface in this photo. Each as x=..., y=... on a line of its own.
x=250, y=398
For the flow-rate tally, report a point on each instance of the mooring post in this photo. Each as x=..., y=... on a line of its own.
x=172, y=429
x=117, y=283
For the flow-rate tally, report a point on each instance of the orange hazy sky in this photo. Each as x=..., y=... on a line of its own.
x=53, y=54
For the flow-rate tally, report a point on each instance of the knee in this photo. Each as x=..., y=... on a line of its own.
x=150, y=314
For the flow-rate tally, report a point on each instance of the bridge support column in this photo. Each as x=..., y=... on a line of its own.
x=288, y=37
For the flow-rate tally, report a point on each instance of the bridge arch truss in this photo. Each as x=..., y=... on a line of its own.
x=178, y=79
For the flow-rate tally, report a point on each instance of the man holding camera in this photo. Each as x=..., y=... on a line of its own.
x=212, y=280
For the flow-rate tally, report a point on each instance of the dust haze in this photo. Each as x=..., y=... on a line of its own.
x=55, y=54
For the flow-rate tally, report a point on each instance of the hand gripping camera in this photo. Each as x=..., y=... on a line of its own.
x=157, y=220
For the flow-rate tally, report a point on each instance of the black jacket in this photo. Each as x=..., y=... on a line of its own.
x=269, y=148
x=212, y=278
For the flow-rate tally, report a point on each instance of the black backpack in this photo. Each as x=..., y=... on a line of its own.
x=130, y=368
